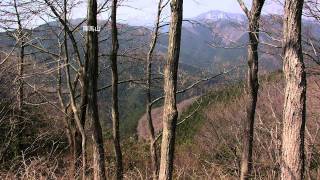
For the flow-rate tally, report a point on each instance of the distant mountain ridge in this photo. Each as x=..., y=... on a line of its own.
x=203, y=39
x=216, y=15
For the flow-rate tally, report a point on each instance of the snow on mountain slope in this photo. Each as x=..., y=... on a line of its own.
x=216, y=15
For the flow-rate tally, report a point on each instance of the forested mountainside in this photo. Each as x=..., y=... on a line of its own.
x=90, y=92
x=217, y=37
x=198, y=59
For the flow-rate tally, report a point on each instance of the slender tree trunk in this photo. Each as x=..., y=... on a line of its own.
x=170, y=112
x=294, y=113
x=252, y=84
x=70, y=135
x=153, y=144
x=20, y=123
x=73, y=101
x=92, y=75
x=83, y=111
x=20, y=81
x=72, y=97
x=115, y=106
x=77, y=137
x=20, y=93
x=67, y=119
x=21, y=59
x=248, y=124
x=75, y=111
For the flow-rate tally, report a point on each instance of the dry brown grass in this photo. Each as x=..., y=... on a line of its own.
x=217, y=146
x=215, y=150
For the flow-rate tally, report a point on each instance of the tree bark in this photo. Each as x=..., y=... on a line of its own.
x=92, y=74
x=252, y=85
x=294, y=113
x=170, y=113
x=115, y=106
x=153, y=144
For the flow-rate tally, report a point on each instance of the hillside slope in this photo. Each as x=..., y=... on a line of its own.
x=142, y=129
x=213, y=150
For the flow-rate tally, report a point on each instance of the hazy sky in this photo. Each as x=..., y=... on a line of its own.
x=191, y=7
x=143, y=12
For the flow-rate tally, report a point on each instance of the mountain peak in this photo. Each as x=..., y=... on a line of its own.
x=216, y=15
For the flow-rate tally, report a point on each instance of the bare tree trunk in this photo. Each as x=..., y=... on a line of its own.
x=170, y=112
x=20, y=94
x=92, y=75
x=20, y=81
x=294, y=113
x=72, y=97
x=75, y=111
x=74, y=107
x=67, y=121
x=115, y=106
x=153, y=144
x=84, y=96
x=252, y=84
x=83, y=111
x=70, y=135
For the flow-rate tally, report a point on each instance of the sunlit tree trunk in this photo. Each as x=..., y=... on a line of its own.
x=170, y=112
x=294, y=113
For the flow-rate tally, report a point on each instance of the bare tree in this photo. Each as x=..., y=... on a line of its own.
x=79, y=134
x=153, y=144
x=92, y=75
x=170, y=113
x=73, y=101
x=294, y=113
x=252, y=84
x=14, y=16
x=115, y=101
x=20, y=95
